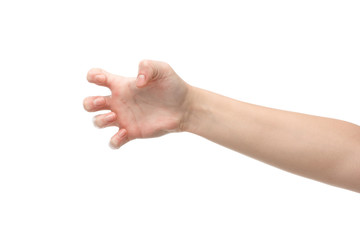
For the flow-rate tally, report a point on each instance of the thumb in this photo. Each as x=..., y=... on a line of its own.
x=148, y=71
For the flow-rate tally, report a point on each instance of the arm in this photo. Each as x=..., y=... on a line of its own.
x=323, y=149
x=158, y=102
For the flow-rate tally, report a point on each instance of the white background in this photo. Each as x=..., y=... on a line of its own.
x=60, y=180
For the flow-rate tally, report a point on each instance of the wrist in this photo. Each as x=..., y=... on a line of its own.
x=190, y=112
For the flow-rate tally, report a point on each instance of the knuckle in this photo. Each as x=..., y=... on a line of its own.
x=166, y=65
x=166, y=68
x=144, y=63
x=108, y=101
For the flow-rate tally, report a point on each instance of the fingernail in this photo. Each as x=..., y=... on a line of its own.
x=141, y=80
x=99, y=102
x=112, y=145
x=94, y=122
x=110, y=117
x=100, y=78
x=122, y=133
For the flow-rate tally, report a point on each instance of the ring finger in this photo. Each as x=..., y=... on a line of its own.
x=105, y=120
x=92, y=104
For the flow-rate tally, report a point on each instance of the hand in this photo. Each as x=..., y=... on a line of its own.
x=151, y=105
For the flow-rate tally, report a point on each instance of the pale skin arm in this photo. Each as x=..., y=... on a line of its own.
x=158, y=101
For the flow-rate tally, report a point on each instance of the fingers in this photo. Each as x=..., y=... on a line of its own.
x=92, y=104
x=149, y=71
x=105, y=120
x=99, y=77
x=119, y=139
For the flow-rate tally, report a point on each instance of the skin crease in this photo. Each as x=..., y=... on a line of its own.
x=158, y=102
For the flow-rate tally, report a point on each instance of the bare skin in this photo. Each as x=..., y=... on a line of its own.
x=148, y=106
x=158, y=101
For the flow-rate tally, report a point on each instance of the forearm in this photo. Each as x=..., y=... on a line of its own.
x=319, y=148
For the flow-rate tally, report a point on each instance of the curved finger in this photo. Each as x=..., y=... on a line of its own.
x=150, y=70
x=119, y=139
x=99, y=77
x=105, y=120
x=97, y=103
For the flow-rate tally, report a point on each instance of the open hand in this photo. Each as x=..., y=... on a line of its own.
x=150, y=105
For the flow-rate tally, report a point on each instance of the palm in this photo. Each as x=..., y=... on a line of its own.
x=145, y=113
